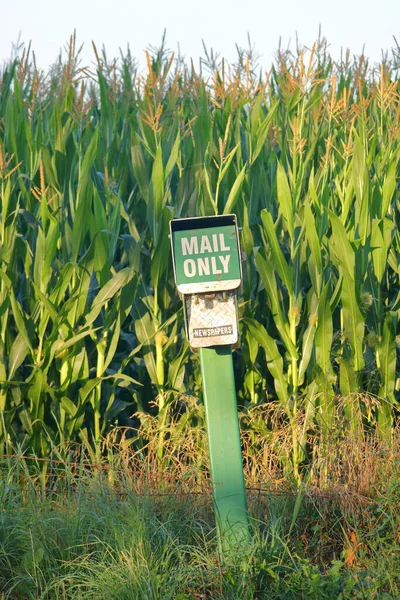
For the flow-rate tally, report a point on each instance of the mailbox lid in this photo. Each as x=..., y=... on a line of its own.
x=206, y=254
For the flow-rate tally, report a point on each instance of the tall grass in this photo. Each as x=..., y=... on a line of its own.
x=92, y=168
x=85, y=537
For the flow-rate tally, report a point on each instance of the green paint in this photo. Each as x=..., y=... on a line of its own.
x=224, y=447
x=206, y=255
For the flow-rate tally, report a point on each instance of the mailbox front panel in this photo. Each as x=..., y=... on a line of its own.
x=211, y=319
x=206, y=254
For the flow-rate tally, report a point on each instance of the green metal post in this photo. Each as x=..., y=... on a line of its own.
x=224, y=448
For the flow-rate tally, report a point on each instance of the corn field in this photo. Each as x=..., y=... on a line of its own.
x=94, y=165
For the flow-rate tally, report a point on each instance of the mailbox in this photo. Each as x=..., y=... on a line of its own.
x=208, y=273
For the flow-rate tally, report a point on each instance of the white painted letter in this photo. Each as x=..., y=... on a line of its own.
x=189, y=267
x=191, y=247
x=203, y=265
x=215, y=242
x=205, y=245
x=215, y=271
x=225, y=262
x=223, y=248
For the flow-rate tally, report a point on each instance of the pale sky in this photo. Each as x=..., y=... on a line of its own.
x=221, y=23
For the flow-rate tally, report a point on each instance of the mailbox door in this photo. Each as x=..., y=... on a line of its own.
x=211, y=319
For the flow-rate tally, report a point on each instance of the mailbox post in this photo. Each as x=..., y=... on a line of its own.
x=208, y=273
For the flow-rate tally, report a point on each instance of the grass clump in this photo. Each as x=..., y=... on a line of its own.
x=85, y=537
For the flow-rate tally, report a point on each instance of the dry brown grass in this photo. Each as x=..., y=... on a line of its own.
x=348, y=463
x=347, y=466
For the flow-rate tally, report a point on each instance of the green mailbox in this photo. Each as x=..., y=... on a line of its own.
x=208, y=273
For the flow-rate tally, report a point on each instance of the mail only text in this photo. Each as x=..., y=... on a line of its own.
x=205, y=265
x=207, y=255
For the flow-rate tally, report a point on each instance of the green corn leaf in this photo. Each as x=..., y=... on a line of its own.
x=361, y=186
x=313, y=192
x=386, y=353
x=122, y=379
x=347, y=379
x=99, y=211
x=160, y=262
x=326, y=407
x=381, y=238
x=51, y=241
x=173, y=156
x=114, y=228
x=227, y=163
x=114, y=408
x=156, y=196
x=68, y=406
x=81, y=222
x=80, y=365
x=335, y=297
x=343, y=249
x=177, y=367
x=64, y=280
x=285, y=199
x=50, y=312
x=50, y=173
x=87, y=389
x=17, y=311
x=267, y=275
x=209, y=195
x=310, y=400
x=107, y=292
x=140, y=170
x=40, y=253
x=324, y=333
x=274, y=359
x=60, y=346
x=126, y=298
x=84, y=197
x=262, y=132
x=234, y=193
x=88, y=160
x=18, y=352
x=388, y=188
x=353, y=320
x=308, y=339
x=284, y=271
x=113, y=343
x=34, y=393
x=312, y=237
x=145, y=329
x=358, y=168
x=5, y=200
x=101, y=263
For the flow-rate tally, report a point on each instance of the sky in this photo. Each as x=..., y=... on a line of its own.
x=48, y=24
